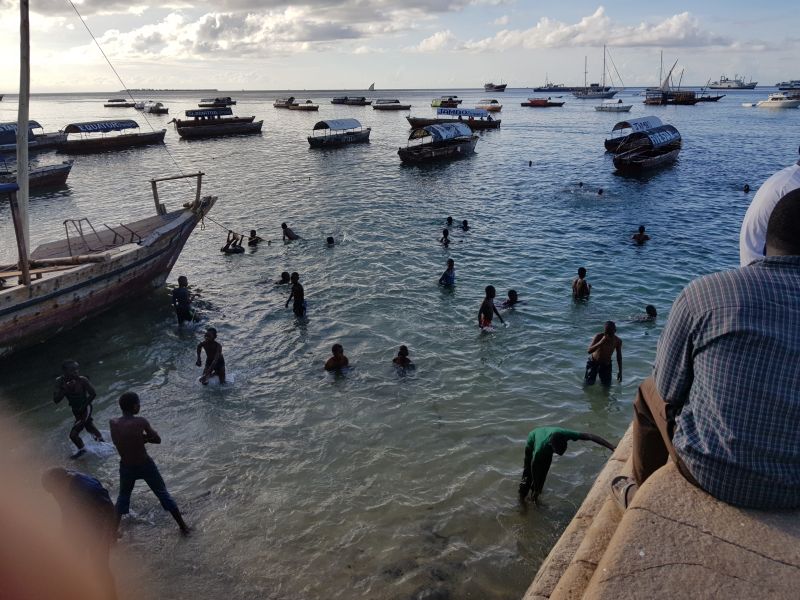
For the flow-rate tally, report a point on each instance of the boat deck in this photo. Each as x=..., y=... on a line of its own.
x=106, y=238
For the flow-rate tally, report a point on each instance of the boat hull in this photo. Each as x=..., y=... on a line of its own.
x=31, y=314
x=474, y=124
x=44, y=141
x=617, y=108
x=791, y=103
x=391, y=107
x=42, y=177
x=594, y=95
x=435, y=152
x=218, y=130
x=339, y=139
x=637, y=161
x=113, y=142
x=491, y=87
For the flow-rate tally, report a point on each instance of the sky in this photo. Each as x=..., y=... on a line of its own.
x=348, y=44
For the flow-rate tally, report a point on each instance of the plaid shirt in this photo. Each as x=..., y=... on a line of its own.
x=729, y=361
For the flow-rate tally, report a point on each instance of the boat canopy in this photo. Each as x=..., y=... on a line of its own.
x=463, y=112
x=117, y=100
x=640, y=124
x=337, y=124
x=442, y=132
x=659, y=136
x=387, y=101
x=13, y=126
x=101, y=126
x=8, y=132
x=7, y=188
x=209, y=112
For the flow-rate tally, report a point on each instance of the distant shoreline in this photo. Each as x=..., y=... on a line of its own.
x=168, y=90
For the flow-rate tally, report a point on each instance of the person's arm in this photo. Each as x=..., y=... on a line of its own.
x=441, y=279
x=199, y=347
x=597, y=342
x=329, y=365
x=619, y=359
x=494, y=308
x=590, y=437
x=89, y=389
x=58, y=392
x=174, y=300
x=673, y=370
x=150, y=435
x=291, y=295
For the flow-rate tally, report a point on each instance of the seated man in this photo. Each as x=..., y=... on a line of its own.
x=724, y=399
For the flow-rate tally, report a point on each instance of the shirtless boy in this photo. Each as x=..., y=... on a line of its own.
x=580, y=287
x=298, y=295
x=601, y=349
x=79, y=393
x=641, y=237
x=182, y=301
x=488, y=309
x=288, y=234
x=401, y=361
x=215, y=362
x=129, y=434
x=338, y=361
x=445, y=239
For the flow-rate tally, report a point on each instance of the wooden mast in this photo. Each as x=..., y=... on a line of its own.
x=20, y=207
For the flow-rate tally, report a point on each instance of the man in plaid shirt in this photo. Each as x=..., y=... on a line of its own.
x=724, y=398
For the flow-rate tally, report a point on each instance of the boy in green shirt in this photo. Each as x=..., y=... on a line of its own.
x=542, y=442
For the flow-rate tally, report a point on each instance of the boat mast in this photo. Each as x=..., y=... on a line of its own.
x=586, y=73
x=604, y=68
x=20, y=207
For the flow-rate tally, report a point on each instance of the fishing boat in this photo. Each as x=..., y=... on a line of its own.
x=284, y=102
x=494, y=87
x=40, y=177
x=339, y=100
x=624, y=128
x=389, y=104
x=64, y=282
x=92, y=136
x=704, y=96
x=476, y=118
x=216, y=102
x=490, y=104
x=779, y=100
x=119, y=103
x=736, y=83
x=307, y=106
x=338, y=132
x=215, y=122
x=648, y=149
x=357, y=101
x=36, y=141
x=789, y=86
x=156, y=108
x=433, y=143
x=665, y=94
x=541, y=103
x=594, y=91
x=613, y=106
x=446, y=102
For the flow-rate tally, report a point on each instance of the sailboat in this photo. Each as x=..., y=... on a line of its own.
x=65, y=281
x=372, y=87
x=665, y=94
x=594, y=91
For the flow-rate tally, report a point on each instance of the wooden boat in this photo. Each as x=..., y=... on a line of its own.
x=494, y=87
x=41, y=177
x=212, y=122
x=433, y=143
x=36, y=141
x=446, y=102
x=703, y=97
x=357, y=101
x=490, y=104
x=339, y=100
x=88, y=142
x=119, y=103
x=613, y=106
x=156, y=108
x=307, y=106
x=541, y=103
x=476, y=118
x=624, y=128
x=216, y=102
x=389, y=104
x=338, y=132
x=665, y=95
x=284, y=102
x=649, y=149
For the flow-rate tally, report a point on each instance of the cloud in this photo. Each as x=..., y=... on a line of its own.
x=440, y=40
x=501, y=21
x=681, y=30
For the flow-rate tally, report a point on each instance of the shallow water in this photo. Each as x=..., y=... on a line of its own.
x=373, y=485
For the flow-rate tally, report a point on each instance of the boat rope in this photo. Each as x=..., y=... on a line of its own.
x=622, y=83
x=124, y=86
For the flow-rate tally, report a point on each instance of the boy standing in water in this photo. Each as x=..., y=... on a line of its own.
x=298, y=294
x=580, y=287
x=338, y=361
x=449, y=276
x=215, y=362
x=445, y=239
x=79, y=393
x=288, y=234
x=182, y=301
x=601, y=349
x=641, y=237
x=488, y=309
x=129, y=434
x=401, y=361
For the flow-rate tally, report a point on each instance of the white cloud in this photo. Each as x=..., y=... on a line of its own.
x=501, y=21
x=441, y=40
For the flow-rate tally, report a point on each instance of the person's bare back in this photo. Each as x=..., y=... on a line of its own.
x=130, y=434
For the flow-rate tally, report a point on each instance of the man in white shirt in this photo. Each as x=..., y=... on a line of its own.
x=752, y=238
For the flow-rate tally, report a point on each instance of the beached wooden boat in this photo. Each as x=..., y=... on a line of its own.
x=650, y=149
x=41, y=177
x=357, y=101
x=216, y=102
x=90, y=142
x=338, y=132
x=433, y=143
x=119, y=103
x=389, y=104
x=476, y=118
x=624, y=128
x=36, y=141
x=215, y=122
x=307, y=106
x=541, y=103
x=284, y=102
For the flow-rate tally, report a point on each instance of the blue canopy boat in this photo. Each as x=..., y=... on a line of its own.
x=338, y=132
x=476, y=118
x=648, y=149
x=88, y=142
x=36, y=141
x=438, y=142
x=624, y=128
x=215, y=122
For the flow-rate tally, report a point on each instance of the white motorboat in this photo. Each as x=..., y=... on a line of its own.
x=779, y=100
x=614, y=106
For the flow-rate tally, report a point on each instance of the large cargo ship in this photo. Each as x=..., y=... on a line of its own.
x=735, y=83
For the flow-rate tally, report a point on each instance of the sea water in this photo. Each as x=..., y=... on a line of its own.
x=373, y=485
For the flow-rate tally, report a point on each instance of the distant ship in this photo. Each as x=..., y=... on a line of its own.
x=792, y=85
x=494, y=87
x=732, y=84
